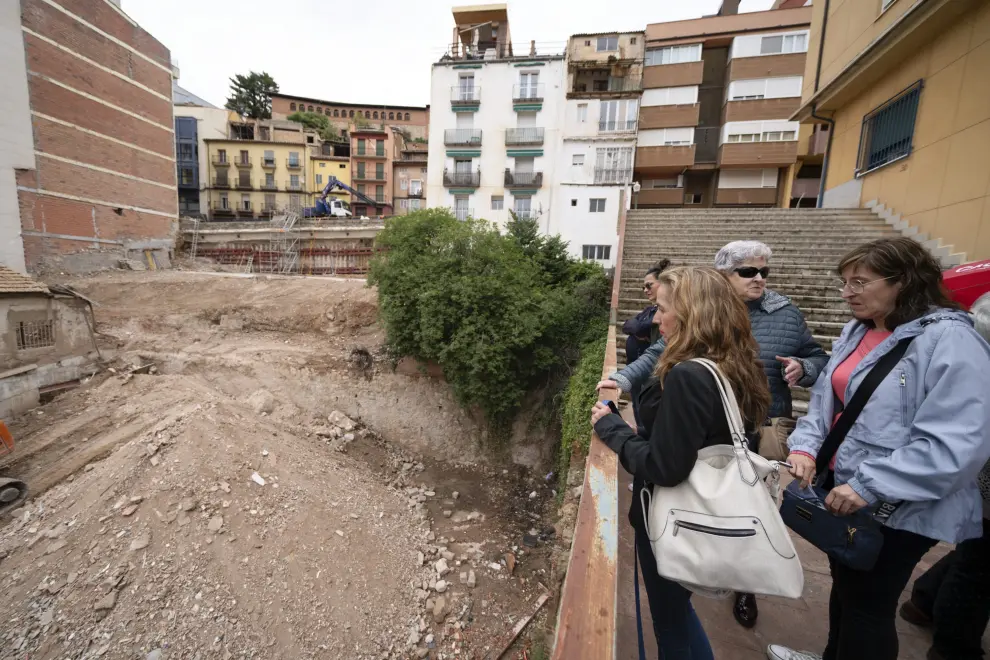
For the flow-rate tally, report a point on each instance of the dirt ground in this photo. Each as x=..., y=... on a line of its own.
x=265, y=487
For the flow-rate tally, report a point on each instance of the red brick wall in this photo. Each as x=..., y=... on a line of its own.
x=92, y=104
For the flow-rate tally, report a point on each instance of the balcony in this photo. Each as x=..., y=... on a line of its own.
x=523, y=179
x=760, y=109
x=243, y=184
x=674, y=75
x=525, y=214
x=293, y=164
x=243, y=161
x=377, y=152
x=245, y=208
x=766, y=66
x=268, y=163
x=418, y=193
x=817, y=143
x=461, y=179
x=221, y=207
x=296, y=186
x=669, y=116
x=526, y=93
x=519, y=136
x=463, y=214
x=610, y=175
x=746, y=196
x=220, y=160
x=806, y=188
x=665, y=157
x=758, y=154
x=369, y=176
x=628, y=126
x=462, y=137
x=660, y=197
x=465, y=96
x=591, y=87
x=267, y=210
x=221, y=182
x=269, y=186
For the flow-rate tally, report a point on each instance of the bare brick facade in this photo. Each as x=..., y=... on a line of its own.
x=100, y=96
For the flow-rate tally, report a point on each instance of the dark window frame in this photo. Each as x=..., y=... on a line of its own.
x=887, y=132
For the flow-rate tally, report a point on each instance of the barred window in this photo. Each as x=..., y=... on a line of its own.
x=35, y=334
x=888, y=131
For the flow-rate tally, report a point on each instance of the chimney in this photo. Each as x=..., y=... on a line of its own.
x=729, y=8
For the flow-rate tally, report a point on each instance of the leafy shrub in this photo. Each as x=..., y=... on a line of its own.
x=579, y=397
x=500, y=313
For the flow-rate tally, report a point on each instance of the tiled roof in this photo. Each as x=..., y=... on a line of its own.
x=13, y=282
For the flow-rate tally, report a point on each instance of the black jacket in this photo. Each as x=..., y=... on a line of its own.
x=678, y=420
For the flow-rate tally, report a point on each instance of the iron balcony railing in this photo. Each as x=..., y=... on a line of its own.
x=617, y=126
x=460, y=94
x=220, y=160
x=369, y=176
x=221, y=182
x=294, y=186
x=418, y=193
x=377, y=152
x=269, y=185
x=243, y=161
x=461, y=179
x=606, y=175
x=244, y=208
x=268, y=209
x=526, y=215
x=462, y=136
x=293, y=164
x=268, y=163
x=243, y=184
x=527, y=92
x=523, y=179
x=218, y=206
x=463, y=214
x=609, y=86
x=515, y=136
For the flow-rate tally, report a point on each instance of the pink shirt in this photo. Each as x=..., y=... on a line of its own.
x=840, y=377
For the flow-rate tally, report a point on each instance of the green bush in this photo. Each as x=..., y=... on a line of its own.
x=500, y=313
x=579, y=397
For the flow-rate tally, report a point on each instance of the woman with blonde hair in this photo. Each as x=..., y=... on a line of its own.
x=700, y=316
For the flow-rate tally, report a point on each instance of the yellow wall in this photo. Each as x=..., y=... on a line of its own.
x=338, y=168
x=943, y=187
x=256, y=151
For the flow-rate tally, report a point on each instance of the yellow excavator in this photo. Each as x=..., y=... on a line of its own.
x=12, y=491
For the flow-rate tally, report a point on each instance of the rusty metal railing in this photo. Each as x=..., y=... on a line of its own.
x=586, y=622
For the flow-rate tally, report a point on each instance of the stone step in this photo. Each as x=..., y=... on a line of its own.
x=834, y=228
x=633, y=298
x=811, y=314
x=824, y=340
x=777, y=268
x=707, y=257
x=745, y=212
x=793, y=242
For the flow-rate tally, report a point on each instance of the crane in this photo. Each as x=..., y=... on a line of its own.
x=336, y=207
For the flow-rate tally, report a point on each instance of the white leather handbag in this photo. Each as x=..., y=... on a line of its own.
x=720, y=531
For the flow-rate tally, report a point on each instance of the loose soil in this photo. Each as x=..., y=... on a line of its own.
x=269, y=487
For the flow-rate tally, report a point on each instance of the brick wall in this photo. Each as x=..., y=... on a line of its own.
x=100, y=93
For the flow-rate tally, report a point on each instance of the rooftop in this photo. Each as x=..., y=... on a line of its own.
x=723, y=26
x=378, y=106
x=13, y=282
x=182, y=96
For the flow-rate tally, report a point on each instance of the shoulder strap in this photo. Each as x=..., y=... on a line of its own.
x=863, y=393
x=732, y=414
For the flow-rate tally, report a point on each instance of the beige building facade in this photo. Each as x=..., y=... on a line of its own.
x=905, y=84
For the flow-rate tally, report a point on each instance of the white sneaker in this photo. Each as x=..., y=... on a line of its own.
x=777, y=652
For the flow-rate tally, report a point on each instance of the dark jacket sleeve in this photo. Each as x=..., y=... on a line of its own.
x=811, y=355
x=679, y=431
x=639, y=325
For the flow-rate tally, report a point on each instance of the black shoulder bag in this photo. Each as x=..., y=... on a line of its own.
x=854, y=540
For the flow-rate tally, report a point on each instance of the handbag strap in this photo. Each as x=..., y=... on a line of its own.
x=858, y=401
x=732, y=415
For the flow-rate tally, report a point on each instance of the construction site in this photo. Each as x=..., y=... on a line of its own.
x=247, y=475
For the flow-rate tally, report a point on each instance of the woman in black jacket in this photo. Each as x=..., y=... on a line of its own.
x=640, y=331
x=699, y=315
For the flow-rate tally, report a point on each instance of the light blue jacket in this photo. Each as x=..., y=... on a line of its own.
x=924, y=435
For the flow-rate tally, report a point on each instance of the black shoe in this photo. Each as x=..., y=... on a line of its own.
x=745, y=610
x=914, y=614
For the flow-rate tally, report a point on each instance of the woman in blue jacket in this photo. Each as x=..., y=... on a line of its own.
x=919, y=442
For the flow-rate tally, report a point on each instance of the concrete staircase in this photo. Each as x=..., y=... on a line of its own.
x=807, y=244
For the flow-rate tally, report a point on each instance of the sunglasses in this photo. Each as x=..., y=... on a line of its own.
x=749, y=272
x=648, y=286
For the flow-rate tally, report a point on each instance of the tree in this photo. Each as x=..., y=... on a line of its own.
x=361, y=122
x=251, y=95
x=318, y=123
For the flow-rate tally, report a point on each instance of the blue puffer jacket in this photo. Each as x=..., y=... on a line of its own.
x=779, y=328
x=924, y=435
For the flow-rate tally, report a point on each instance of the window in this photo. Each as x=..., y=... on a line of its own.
x=187, y=151
x=618, y=115
x=692, y=198
x=573, y=202
x=310, y=108
x=323, y=164
x=245, y=202
x=186, y=177
x=587, y=42
x=293, y=159
x=613, y=165
x=674, y=54
x=376, y=114
x=391, y=115
x=269, y=180
x=632, y=41
x=407, y=116
x=319, y=179
x=524, y=207
x=607, y=43
x=221, y=155
x=404, y=204
x=269, y=202
x=762, y=178
x=415, y=186
x=597, y=205
x=582, y=112
x=352, y=114
x=292, y=106
x=269, y=158
x=379, y=193
x=336, y=112
x=784, y=43
x=224, y=202
x=529, y=87
x=596, y=252
x=676, y=182
x=360, y=170
x=684, y=95
x=779, y=136
x=415, y=204
x=577, y=159
x=35, y=334
x=293, y=180
x=744, y=137
x=771, y=130
x=360, y=188
x=343, y=166
x=245, y=158
x=498, y=202
x=888, y=131
x=319, y=109
x=403, y=184
x=380, y=171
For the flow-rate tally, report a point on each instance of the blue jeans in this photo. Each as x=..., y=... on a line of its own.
x=675, y=623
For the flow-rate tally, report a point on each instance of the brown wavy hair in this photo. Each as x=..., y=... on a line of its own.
x=713, y=323
x=906, y=261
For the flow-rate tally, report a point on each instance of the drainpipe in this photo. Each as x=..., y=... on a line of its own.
x=814, y=109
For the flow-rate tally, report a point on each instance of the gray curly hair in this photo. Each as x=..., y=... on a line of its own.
x=980, y=312
x=736, y=253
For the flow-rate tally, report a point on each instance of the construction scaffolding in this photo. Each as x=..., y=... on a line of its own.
x=195, y=239
x=284, y=245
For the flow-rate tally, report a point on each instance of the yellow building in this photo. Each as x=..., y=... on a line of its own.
x=906, y=84
x=322, y=165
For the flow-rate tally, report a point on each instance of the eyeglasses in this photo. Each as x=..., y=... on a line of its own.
x=857, y=287
x=749, y=272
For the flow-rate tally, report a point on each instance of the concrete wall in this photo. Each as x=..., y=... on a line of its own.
x=943, y=187
x=101, y=94
x=16, y=145
x=71, y=330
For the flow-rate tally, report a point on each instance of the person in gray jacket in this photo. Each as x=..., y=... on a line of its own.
x=788, y=352
x=953, y=596
x=917, y=446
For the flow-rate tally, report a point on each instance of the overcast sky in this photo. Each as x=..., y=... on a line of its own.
x=363, y=51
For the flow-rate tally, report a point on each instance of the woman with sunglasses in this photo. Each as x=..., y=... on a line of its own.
x=788, y=353
x=640, y=330
x=917, y=446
